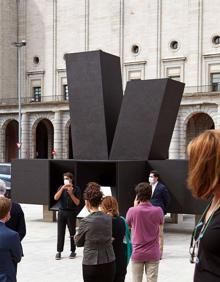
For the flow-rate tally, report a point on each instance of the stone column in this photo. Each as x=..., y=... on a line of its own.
x=49, y=216
x=174, y=144
x=174, y=154
x=25, y=136
x=58, y=135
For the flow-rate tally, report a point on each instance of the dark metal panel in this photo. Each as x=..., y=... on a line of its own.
x=173, y=173
x=112, y=93
x=171, y=99
x=30, y=181
x=36, y=181
x=129, y=174
x=102, y=172
x=95, y=95
x=146, y=119
x=57, y=168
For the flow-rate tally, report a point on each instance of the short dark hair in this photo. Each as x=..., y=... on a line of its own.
x=155, y=173
x=69, y=175
x=93, y=194
x=143, y=191
x=5, y=206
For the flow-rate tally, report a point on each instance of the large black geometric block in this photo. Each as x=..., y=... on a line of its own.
x=95, y=94
x=115, y=150
x=117, y=175
x=30, y=181
x=121, y=176
x=147, y=119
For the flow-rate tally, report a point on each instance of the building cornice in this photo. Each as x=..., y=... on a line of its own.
x=214, y=55
x=28, y=73
x=173, y=59
x=135, y=63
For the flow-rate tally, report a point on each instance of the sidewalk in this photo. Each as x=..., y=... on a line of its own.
x=39, y=264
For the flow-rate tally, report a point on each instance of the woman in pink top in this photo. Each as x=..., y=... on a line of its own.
x=144, y=220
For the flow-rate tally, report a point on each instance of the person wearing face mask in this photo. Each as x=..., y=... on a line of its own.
x=68, y=196
x=160, y=198
x=10, y=245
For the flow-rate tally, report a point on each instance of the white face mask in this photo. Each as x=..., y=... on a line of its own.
x=151, y=180
x=66, y=181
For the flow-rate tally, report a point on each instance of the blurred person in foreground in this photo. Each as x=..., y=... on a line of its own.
x=10, y=245
x=95, y=234
x=145, y=220
x=17, y=220
x=204, y=181
x=109, y=206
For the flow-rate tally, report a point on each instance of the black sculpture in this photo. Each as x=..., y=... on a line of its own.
x=116, y=140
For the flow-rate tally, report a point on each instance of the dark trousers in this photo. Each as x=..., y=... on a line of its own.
x=68, y=218
x=119, y=277
x=205, y=276
x=99, y=273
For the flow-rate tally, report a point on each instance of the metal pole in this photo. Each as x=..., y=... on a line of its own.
x=19, y=45
x=19, y=98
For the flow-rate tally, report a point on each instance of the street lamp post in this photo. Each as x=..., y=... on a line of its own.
x=19, y=45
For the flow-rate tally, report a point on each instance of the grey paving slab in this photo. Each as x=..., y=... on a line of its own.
x=39, y=246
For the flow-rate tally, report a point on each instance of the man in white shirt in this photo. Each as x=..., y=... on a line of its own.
x=160, y=198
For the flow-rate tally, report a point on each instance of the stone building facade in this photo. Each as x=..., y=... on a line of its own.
x=154, y=39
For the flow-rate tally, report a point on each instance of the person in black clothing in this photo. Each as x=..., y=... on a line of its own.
x=17, y=220
x=109, y=206
x=204, y=181
x=69, y=198
x=160, y=194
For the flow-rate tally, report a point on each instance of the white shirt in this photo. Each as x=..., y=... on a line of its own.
x=153, y=188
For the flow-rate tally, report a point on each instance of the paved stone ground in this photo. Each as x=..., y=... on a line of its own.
x=39, y=264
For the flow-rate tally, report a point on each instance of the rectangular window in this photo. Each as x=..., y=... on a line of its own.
x=37, y=94
x=134, y=74
x=173, y=73
x=215, y=81
x=175, y=77
x=65, y=92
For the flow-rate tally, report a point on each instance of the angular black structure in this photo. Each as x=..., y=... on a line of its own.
x=94, y=81
x=147, y=119
x=118, y=175
x=31, y=181
x=116, y=150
